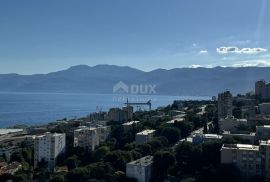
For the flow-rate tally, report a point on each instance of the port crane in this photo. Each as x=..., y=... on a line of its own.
x=148, y=103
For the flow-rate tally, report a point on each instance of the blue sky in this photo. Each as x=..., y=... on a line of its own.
x=43, y=36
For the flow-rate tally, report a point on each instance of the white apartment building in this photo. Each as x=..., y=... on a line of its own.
x=252, y=160
x=90, y=137
x=145, y=136
x=48, y=147
x=140, y=169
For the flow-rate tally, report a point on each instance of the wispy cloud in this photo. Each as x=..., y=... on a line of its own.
x=249, y=63
x=200, y=66
x=203, y=52
x=237, y=50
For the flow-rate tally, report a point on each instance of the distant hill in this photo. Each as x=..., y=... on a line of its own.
x=102, y=78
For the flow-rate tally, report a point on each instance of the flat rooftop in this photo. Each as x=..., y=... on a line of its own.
x=263, y=142
x=146, y=132
x=214, y=136
x=145, y=161
x=130, y=123
x=240, y=146
x=264, y=126
x=175, y=120
x=85, y=129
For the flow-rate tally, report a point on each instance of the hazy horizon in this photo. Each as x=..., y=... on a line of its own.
x=191, y=67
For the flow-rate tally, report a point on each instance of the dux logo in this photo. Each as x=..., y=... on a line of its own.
x=146, y=89
x=120, y=87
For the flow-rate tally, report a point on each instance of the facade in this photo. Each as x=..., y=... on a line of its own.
x=145, y=136
x=230, y=123
x=251, y=137
x=140, y=169
x=129, y=110
x=264, y=108
x=225, y=100
x=48, y=147
x=259, y=120
x=262, y=89
x=98, y=116
x=263, y=132
x=252, y=160
x=86, y=137
x=90, y=137
x=103, y=133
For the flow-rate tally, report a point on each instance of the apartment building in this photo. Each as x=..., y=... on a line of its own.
x=263, y=132
x=140, y=169
x=225, y=100
x=230, y=123
x=86, y=137
x=103, y=132
x=262, y=89
x=129, y=110
x=252, y=160
x=145, y=136
x=264, y=108
x=118, y=115
x=90, y=137
x=201, y=138
x=48, y=147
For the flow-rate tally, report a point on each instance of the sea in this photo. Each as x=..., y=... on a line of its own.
x=41, y=108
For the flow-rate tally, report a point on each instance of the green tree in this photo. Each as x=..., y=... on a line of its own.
x=163, y=160
x=100, y=153
x=172, y=134
x=17, y=156
x=72, y=162
x=58, y=178
x=118, y=159
x=188, y=156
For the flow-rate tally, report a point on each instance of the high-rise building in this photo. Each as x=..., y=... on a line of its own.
x=117, y=114
x=86, y=137
x=252, y=160
x=129, y=111
x=225, y=100
x=262, y=89
x=47, y=147
x=140, y=169
x=90, y=137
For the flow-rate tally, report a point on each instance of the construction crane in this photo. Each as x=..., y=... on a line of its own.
x=139, y=104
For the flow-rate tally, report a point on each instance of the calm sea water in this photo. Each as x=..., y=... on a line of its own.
x=41, y=108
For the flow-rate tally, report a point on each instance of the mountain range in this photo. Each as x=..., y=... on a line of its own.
x=102, y=78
